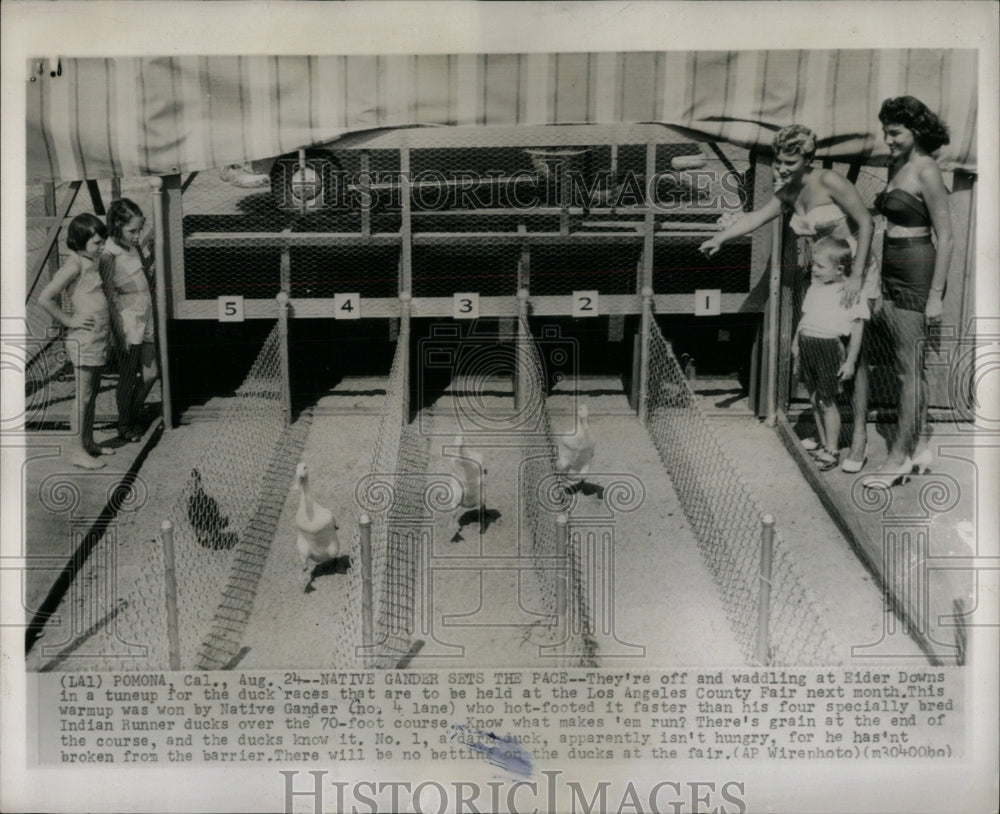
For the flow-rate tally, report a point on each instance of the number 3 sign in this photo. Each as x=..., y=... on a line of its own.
x=465, y=306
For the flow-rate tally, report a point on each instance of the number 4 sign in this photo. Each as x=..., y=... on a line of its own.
x=347, y=306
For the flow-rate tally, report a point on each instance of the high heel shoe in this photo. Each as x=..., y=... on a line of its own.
x=887, y=478
x=922, y=461
x=852, y=466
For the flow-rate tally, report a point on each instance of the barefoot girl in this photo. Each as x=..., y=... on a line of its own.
x=124, y=271
x=87, y=338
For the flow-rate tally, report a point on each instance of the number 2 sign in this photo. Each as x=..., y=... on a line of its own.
x=586, y=304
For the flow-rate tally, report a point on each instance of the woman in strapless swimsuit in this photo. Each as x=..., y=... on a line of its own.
x=914, y=271
x=822, y=203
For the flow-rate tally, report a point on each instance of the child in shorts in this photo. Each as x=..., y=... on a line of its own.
x=124, y=269
x=822, y=361
x=87, y=337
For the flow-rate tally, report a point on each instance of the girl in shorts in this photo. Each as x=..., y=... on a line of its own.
x=124, y=271
x=87, y=337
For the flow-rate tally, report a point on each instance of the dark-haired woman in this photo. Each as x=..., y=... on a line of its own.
x=915, y=259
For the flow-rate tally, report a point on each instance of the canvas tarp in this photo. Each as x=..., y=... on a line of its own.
x=121, y=117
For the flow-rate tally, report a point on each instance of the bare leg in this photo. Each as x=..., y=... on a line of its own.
x=859, y=407
x=818, y=419
x=86, y=392
x=831, y=424
x=125, y=393
x=908, y=335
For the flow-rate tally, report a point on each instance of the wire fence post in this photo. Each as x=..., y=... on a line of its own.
x=160, y=270
x=647, y=316
x=405, y=298
x=521, y=372
x=367, y=609
x=170, y=581
x=764, y=602
x=773, y=329
x=562, y=581
x=286, y=383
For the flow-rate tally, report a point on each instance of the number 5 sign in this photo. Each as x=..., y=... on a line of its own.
x=231, y=309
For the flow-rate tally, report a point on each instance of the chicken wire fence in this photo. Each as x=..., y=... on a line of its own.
x=542, y=500
x=486, y=219
x=726, y=520
x=393, y=494
x=223, y=522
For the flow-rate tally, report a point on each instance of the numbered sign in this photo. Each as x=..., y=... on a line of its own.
x=465, y=306
x=231, y=309
x=585, y=304
x=707, y=302
x=347, y=306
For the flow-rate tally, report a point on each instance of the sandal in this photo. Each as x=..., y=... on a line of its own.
x=811, y=444
x=826, y=459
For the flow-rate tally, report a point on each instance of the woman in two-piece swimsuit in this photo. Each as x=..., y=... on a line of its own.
x=914, y=272
x=823, y=203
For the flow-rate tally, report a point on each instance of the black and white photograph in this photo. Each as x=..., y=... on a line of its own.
x=426, y=399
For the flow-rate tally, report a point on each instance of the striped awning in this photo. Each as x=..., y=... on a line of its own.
x=123, y=117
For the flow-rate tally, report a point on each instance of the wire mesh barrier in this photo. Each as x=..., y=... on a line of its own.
x=436, y=212
x=222, y=645
x=726, y=520
x=221, y=519
x=393, y=494
x=563, y=595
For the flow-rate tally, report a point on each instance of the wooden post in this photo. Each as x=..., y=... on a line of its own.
x=404, y=336
x=562, y=580
x=160, y=272
x=647, y=316
x=286, y=382
x=50, y=210
x=367, y=608
x=366, y=202
x=523, y=338
x=764, y=602
x=773, y=333
x=170, y=580
x=405, y=225
x=302, y=189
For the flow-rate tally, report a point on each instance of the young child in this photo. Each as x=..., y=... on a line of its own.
x=87, y=338
x=818, y=346
x=123, y=270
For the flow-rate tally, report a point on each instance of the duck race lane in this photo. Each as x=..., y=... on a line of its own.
x=492, y=617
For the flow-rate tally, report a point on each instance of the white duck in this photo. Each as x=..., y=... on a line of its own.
x=576, y=451
x=317, y=540
x=468, y=469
